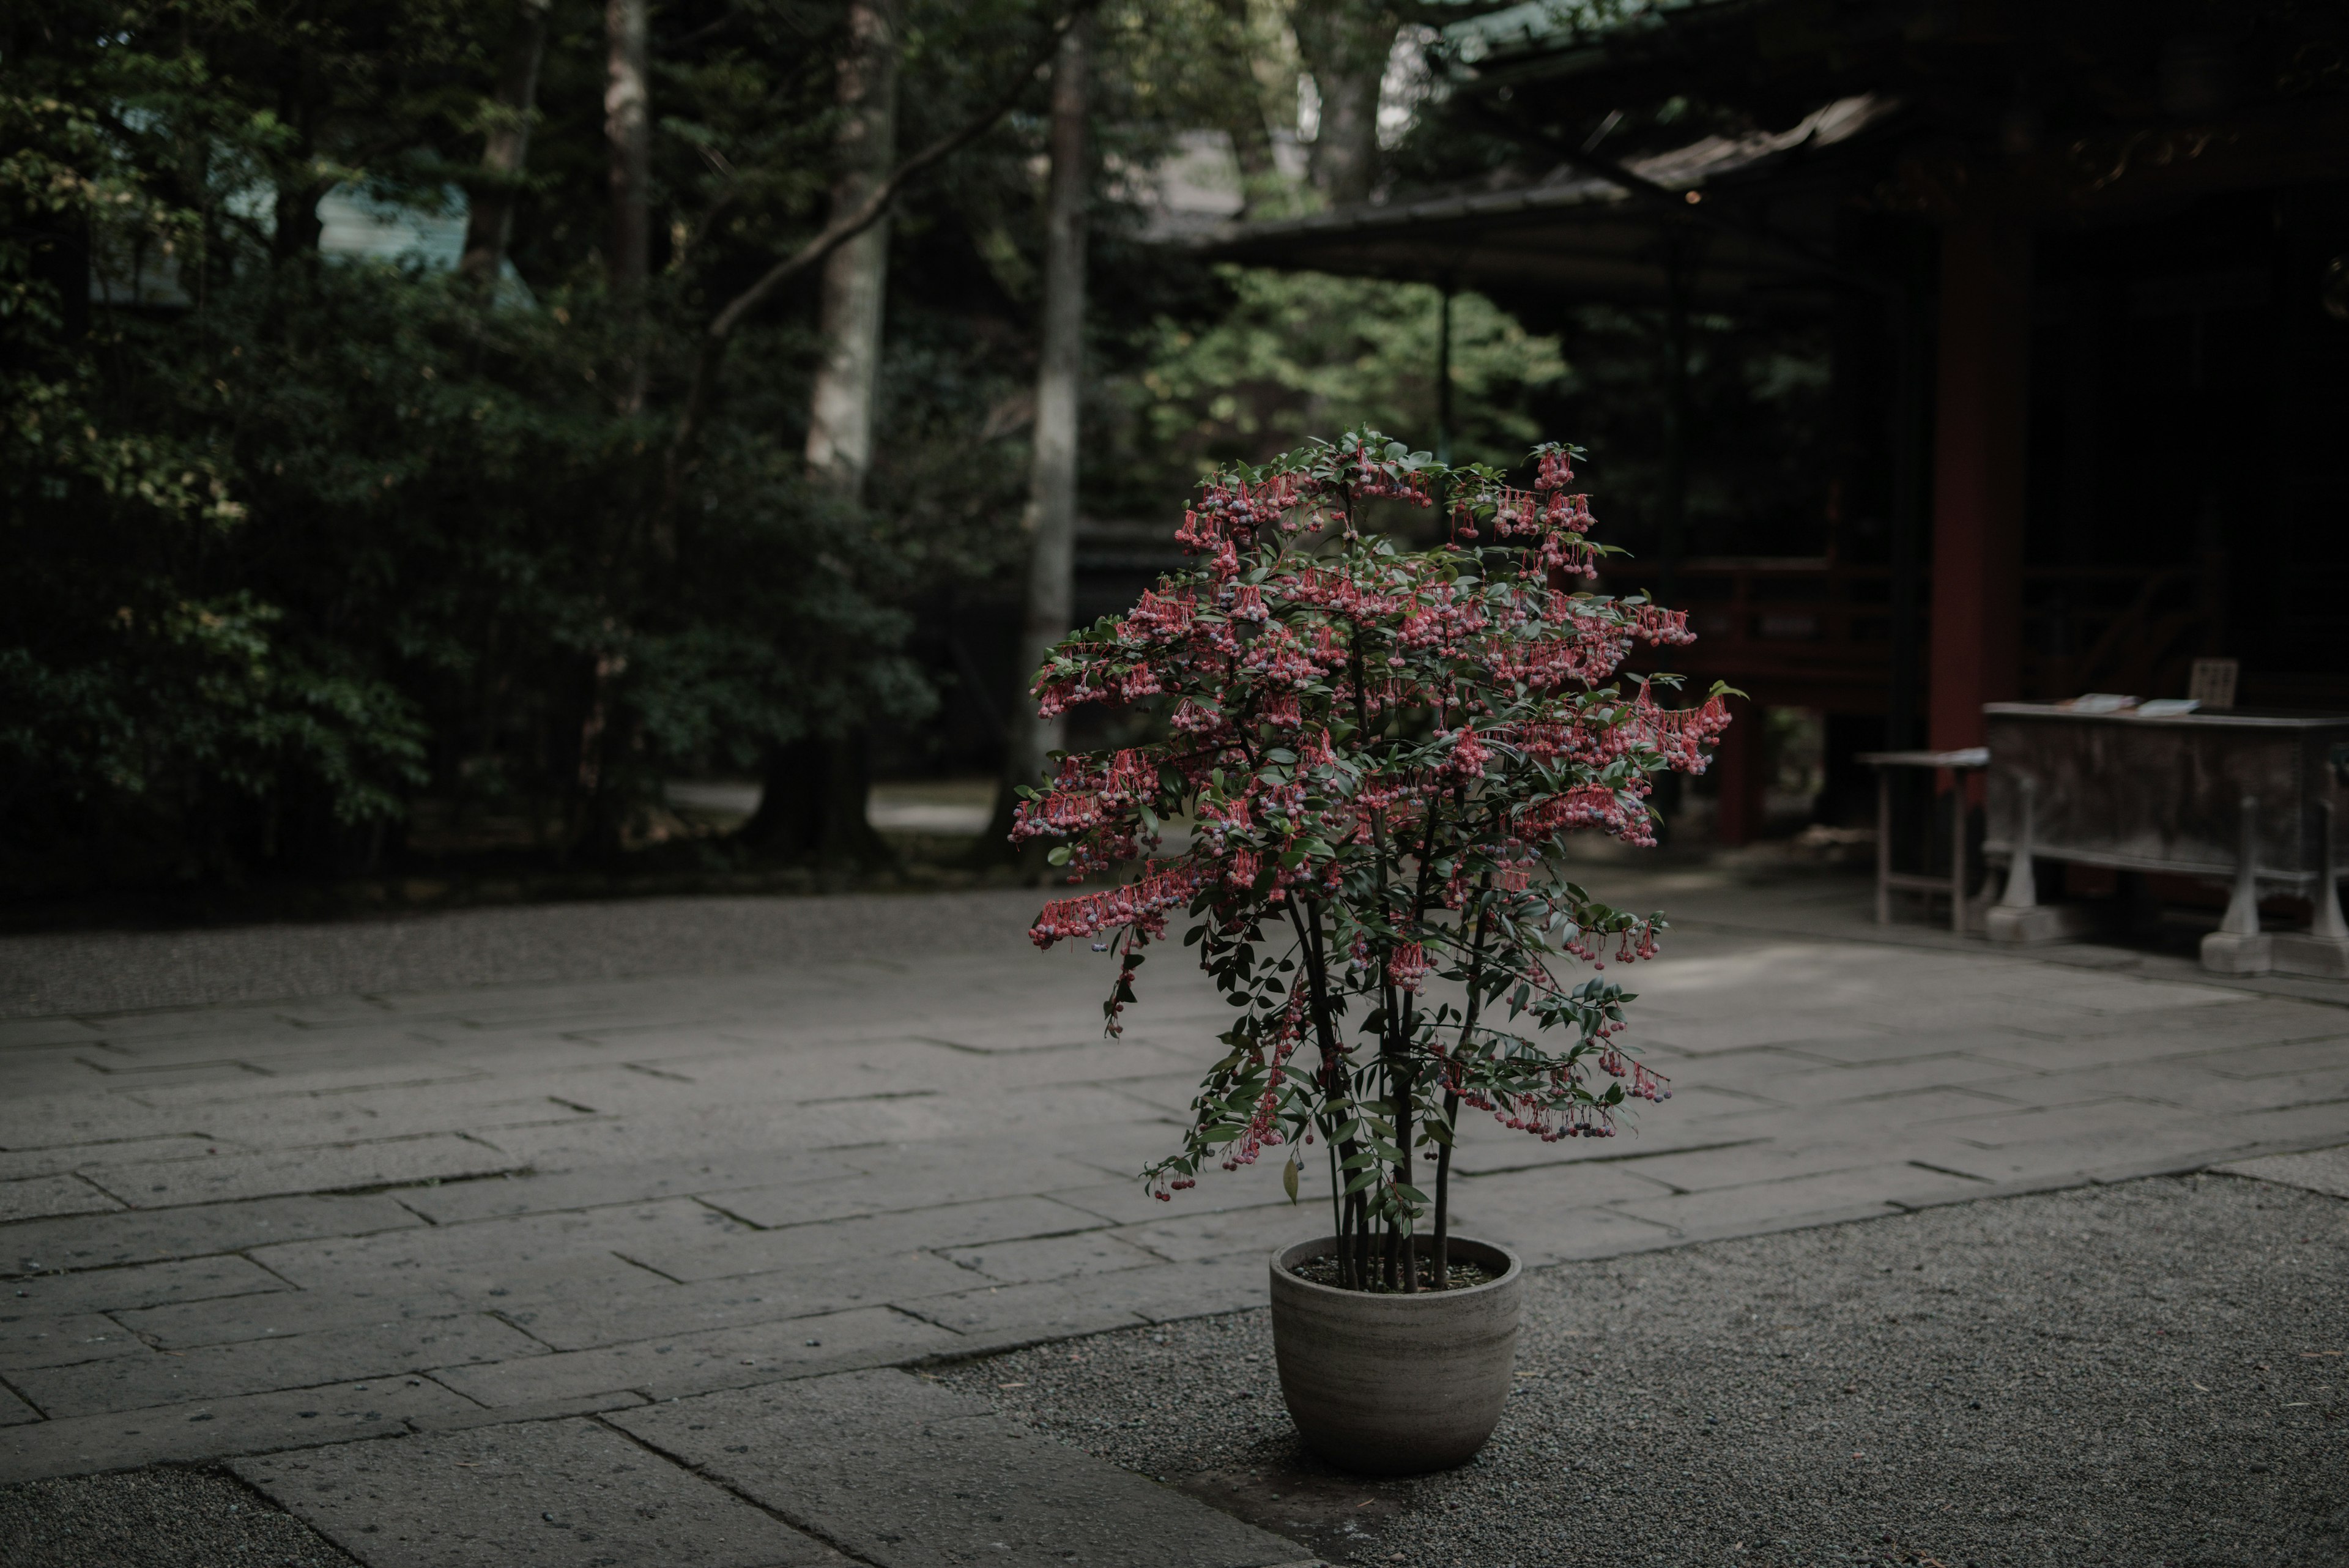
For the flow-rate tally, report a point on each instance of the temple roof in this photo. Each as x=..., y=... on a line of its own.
x=1586, y=233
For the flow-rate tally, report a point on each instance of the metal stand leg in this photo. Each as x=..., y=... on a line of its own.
x=2323, y=948
x=2022, y=891
x=2326, y=922
x=2018, y=916
x=1883, y=846
x=2243, y=905
x=1958, y=853
x=2237, y=946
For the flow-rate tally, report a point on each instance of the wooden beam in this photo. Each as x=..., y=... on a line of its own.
x=1983, y=371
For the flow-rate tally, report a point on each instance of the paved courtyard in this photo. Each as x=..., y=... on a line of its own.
x=559, y=1199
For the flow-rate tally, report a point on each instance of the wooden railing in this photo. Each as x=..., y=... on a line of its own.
x=1795, y=632
x=1814, y=633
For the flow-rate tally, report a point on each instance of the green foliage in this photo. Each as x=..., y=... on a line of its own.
x=1296, y=350
x=295, y=542
x=320, y=536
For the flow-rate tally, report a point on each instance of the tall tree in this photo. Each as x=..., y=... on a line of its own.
x=1251, y=135
x=505, y=150
x=1052, y=517
x=813, y=803
x=856, y=277
x=627, y=129
x=1345, y=45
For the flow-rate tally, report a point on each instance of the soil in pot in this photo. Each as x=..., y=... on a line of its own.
x=1323, y=1271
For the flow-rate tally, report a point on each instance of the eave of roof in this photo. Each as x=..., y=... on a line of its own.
x=1584, y=234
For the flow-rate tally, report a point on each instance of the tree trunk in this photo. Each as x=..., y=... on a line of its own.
x=299, y=226
x=627, y=127
x=1052, y=474
x=505, y=151
x=814, y=805
x=710, y=358
x=1251, y=136
x=1345, y=45
x=856, y=277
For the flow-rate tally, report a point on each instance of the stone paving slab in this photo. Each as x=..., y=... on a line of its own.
x=252, y=1366
x=48, y=1245
x=906, y=1178
x=37, y=1197
x=1867, y=1191
x=369, y=1117
x=1001, y=1315
x=902, y=1473
x=548, y=1493
x=430, y=1156
x=996, y=1315
x=603, y=1186
x=682, y=1363
x=1051, y=1258
x=2319, y=1170
x=182, y=1325
x=1002, y=1219
x=253, y=1424
x=18, y=1163
x=465, y=1418
x=481, y=1257
x=32, y=1340
x=140, y=1286
x=574, y=1320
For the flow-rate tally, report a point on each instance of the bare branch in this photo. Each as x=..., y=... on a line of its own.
x=846, y=227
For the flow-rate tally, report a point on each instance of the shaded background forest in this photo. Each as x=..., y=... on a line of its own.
x=326, y=564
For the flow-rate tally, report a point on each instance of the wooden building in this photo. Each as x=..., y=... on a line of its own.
x=2086, y=264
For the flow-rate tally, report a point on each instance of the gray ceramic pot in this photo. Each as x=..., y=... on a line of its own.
x=1395, y=1384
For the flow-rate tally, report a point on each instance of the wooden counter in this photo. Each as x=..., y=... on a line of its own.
x=2248, y=798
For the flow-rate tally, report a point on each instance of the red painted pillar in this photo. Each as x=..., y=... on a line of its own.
x=1983, y=359
x=1737, y=761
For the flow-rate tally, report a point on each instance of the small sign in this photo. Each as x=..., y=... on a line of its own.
x=2212, y=684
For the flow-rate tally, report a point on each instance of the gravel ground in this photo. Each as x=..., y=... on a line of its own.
x=163, y=1518
x=107, y=971
x=2143, y=1374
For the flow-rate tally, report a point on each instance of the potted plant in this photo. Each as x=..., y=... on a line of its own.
x=1381, y=750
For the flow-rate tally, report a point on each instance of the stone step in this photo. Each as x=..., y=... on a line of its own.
x=884, y=1466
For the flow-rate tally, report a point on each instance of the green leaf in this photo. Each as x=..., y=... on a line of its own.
x=1289, y=1179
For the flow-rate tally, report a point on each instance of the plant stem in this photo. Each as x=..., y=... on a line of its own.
x=1405, y=1074
x=1452, y=1096
x=1389, y=1041
x=1317, y=982
x=1336, y=1207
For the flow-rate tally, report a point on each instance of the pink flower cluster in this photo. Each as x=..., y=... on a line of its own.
x=1586, y=805
x=1232, y=511
x=1142, y=904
